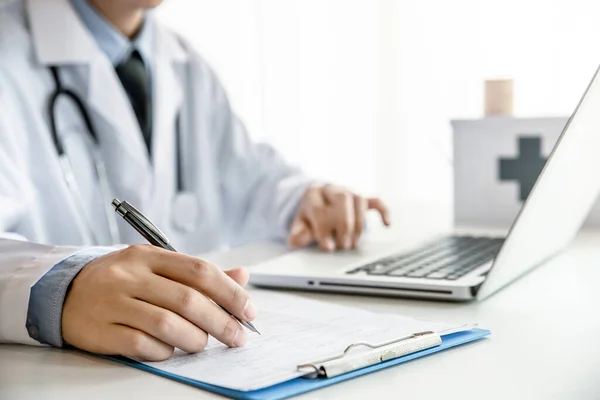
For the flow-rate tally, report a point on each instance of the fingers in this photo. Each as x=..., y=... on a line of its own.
x=300, y=232
x=129, y=342
x=188, y=305
x=342, y=211
x=240, y=275
x=315, y=214
x=377, y=204
x=159, y=322
x=202, y=276
x=329, y=213
x=360, y=208
x=322, y=229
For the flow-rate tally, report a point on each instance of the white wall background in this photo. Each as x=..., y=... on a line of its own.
x=361, y=91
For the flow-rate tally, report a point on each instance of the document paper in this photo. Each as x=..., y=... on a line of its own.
x=294, y=331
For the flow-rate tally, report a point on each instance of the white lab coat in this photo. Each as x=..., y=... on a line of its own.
x=246, y=191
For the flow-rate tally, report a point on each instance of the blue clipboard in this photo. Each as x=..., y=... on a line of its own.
x=302, y=385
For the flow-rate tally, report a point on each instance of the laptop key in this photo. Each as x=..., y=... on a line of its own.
x=469, y=268
x=465, y=271
x=418, y=273
x=378, y=267
x=437, y=275
x=375, y=266
x=402, y=271
x=427, y=269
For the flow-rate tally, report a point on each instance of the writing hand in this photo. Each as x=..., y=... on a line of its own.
x=144, y=301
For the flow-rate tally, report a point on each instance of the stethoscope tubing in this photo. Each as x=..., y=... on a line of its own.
x=100, y=169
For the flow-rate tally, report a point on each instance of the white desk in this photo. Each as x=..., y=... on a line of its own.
x=544, y=345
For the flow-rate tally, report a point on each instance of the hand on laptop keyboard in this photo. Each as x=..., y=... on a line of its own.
x=333, y=218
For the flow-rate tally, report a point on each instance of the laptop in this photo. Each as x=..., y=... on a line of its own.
x=465, y=266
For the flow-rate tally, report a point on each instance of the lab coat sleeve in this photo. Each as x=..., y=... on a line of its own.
x=22, y=263
x=260, y=191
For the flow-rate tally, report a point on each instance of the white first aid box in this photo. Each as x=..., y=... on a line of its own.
x=496, y=163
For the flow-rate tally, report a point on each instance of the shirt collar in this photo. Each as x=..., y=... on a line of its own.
x=113, y=43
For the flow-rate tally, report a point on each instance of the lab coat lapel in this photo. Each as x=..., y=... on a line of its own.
x=121, y=141
x=61, y=39
x=123, y=147
x=109, y=100
x=167, y=101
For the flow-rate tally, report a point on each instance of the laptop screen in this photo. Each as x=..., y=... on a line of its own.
x=562, y=197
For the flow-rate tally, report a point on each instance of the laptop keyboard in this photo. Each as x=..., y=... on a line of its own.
x=448, y=258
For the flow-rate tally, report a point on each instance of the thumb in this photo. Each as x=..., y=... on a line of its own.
x=300, y=233
x=240, y=275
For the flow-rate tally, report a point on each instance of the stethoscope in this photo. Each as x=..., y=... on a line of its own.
x=184, y=212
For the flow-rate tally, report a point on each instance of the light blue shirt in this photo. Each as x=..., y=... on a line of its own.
x=44, y=314
x=47, y=296
x=111, y=41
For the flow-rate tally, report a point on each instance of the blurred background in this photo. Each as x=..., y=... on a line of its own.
x=361, y=92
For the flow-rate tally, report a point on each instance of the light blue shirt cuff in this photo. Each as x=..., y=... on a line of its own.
x=44, y=314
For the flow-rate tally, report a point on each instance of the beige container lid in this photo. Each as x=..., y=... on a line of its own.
x=499, y=97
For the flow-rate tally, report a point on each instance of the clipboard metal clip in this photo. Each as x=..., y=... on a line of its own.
x=347, y=361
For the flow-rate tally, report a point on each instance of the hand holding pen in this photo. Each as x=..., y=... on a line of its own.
x=155, y=237
x=144, y=301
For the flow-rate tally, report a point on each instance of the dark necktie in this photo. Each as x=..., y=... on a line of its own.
x=134, y=76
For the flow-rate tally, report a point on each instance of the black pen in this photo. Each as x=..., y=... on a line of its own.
x=153, y=235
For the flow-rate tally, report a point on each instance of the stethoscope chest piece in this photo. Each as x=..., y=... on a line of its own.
x=185, y=212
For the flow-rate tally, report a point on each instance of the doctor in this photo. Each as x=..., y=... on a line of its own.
x=98, y=100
